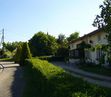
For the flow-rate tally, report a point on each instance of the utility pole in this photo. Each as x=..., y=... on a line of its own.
x=3, y=39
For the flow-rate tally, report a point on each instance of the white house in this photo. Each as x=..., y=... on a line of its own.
x=93, y=39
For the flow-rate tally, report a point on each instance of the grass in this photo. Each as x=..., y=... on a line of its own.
x=96, y=69
x=43, y=79
x=6, y=59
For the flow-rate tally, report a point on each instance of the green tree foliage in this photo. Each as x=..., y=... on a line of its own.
x=17, y=55
x=43, y=44
x=61, y=39
x=73, y=36
x=63, y=50
x=103, y=21
x=25, y=53
x=10, y=46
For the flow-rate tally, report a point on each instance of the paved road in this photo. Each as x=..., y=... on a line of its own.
x=90, y=77
x=11, y=80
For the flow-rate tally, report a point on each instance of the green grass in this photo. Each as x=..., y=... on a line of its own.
x=96, y=69
x=43, y=79
x=6, y=59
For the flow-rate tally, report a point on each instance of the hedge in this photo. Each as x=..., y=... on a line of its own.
x=52, y=58
x=25, y=53
x=46, y=80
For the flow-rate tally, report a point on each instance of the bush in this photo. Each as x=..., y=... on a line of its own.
x=25, y=53
x=18, y=54
x=47, y=80
x=79, y=94
x=52, y=58
x=7, y=54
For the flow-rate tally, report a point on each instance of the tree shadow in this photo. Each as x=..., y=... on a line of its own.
x=18, y=82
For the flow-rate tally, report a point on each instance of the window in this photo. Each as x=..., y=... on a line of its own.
x=98, y=54
x=76, y=53
x=87, y=54
x=91, y=41
x=99, y=37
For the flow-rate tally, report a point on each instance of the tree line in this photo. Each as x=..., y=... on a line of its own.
x=43, y=44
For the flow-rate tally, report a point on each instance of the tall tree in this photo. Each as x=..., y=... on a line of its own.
x=62, y=50
x=61, y=38
x=103, y=21
x=43, y=44
x=73, y=36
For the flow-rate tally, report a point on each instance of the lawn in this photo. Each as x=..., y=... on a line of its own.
x=96, y=69
x=43, y=79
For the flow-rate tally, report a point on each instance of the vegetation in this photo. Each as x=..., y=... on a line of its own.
x=82, y=47
x=96, y=69
x=46, y=80
x=63, y=50
x=73, y=36
x=17, y=55
x=10, y=46
x=103, y=21
x=6, y=59
x=51, y=58
x=42, y=44
x=25, y=53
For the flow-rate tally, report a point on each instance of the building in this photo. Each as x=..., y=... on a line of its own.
x=89, y=48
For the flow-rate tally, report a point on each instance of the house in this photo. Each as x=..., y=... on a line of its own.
x=89, y=48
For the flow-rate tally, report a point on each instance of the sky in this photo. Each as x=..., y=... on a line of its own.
x=21, y=19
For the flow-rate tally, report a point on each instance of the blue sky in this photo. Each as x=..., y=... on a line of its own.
x=21, y=19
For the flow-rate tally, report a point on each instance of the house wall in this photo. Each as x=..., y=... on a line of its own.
x=98, y=38
x=74, y=45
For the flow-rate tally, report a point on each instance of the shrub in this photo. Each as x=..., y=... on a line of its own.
x=79, y=94
x=52, y=58
x=7, y=54
x=25, y=53
x=47, y=80
x=18, y=54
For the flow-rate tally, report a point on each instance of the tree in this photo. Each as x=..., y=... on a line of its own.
x=103, y=21
x=11, y=45
x=17, y=55
x=52, y=45
x=43, y=44
x=73, y=36
x=25, y=53
x=61, y=39
x=62, y=50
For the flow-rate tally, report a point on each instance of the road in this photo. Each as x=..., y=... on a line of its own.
x=11, y=80
x=93, y=78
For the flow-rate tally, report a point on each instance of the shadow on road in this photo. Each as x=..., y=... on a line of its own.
x=18, y=83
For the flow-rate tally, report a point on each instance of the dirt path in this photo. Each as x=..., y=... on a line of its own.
x=11, y=80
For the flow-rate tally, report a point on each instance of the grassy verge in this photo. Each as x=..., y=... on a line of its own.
x=6, y=59
x=96, y=69
x=46, y=80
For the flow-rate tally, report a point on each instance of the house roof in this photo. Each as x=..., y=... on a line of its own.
x=86, y=35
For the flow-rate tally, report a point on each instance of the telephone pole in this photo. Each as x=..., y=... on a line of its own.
x=3, y=39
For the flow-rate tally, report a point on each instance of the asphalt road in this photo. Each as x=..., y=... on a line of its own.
x=11, y=80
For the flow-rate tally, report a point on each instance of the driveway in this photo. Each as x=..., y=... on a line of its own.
x=100, y=80
x=11, y=80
